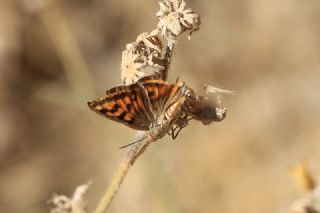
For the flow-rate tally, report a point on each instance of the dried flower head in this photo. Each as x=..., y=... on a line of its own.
x=139, y=55
x=61, y=203
x=174, y=19
x=64, y=204
x=132, y=64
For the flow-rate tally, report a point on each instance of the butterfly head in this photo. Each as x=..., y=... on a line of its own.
x=206, y=111
x=210, y=112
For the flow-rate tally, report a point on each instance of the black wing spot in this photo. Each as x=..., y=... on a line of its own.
x=151, y=94
x=122, y=115
x=115, y=108
x=129, y=107
x=103, y=110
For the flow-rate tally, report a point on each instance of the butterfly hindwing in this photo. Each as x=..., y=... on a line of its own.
x=162, y=94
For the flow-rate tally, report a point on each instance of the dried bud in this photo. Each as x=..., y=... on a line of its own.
x=151, y=41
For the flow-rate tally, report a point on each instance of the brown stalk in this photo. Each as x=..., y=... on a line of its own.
x=131, y=156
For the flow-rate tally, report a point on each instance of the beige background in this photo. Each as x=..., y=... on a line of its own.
x=267, y=51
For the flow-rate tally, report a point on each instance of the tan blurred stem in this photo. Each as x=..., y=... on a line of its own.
x=133, y=153
x=67, y=47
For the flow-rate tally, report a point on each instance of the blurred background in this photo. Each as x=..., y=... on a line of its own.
x=56, y=56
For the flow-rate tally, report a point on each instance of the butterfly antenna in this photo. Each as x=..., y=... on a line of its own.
x=177, y=80
x=134, y=142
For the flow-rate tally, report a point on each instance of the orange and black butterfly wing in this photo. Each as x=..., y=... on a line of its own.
x=166, y=99
x=128, y=105
x=160, y=93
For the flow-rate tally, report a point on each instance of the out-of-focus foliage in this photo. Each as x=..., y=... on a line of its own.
x=55, y=58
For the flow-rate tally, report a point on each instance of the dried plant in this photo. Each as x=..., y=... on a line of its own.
x=76, y=204
x=148, y=102
x=174, y=19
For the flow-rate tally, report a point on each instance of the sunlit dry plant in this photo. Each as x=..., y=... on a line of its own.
x=147, y=50
x=174, y=19
x=139, y=55
x=75, y=204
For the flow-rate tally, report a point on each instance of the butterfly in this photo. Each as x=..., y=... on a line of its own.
x=155, y=105
x=143, y=105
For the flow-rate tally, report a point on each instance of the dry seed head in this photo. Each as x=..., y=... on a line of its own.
x=132, y=64
x=151, y=40
x=139, y=55
x=64, y=204
x=174, y=19
x=61, y=204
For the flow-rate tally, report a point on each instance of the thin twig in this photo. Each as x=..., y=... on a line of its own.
x=132, y=154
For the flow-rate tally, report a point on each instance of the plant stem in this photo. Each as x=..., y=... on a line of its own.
x=133, y=153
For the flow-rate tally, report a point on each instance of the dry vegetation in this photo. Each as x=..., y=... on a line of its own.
x=50, y=141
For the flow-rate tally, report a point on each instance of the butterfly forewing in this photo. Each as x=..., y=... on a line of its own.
x=125, y=104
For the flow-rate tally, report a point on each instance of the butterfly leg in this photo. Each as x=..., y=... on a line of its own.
x=177, y=80
x=181, y=123
x=174, y=134
x=171, y=131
